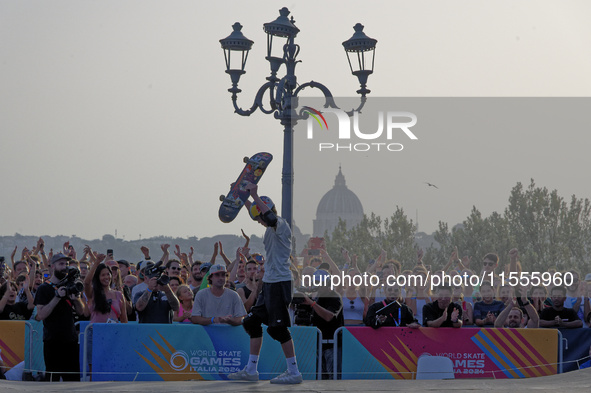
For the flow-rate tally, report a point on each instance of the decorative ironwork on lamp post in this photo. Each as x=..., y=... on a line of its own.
x=283, y=92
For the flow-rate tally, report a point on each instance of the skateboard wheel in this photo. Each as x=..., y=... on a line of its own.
x=245, y=159
x=222, y=197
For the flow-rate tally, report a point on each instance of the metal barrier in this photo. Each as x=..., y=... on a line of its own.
x=174, y=352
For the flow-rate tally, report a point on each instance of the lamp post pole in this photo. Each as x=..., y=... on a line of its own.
x=283, y=92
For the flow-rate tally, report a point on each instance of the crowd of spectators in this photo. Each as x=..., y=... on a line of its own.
x=161, y=289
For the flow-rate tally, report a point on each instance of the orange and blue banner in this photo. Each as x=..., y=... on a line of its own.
x=392, y=353
x=12, y=342
x=180, y=352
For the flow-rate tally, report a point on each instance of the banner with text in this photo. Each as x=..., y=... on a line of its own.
x=392, y=353
x=179, y=352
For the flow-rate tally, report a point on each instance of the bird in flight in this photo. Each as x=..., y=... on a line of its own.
x=431, y=185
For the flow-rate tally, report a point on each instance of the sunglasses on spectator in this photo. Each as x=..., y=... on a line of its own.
x=175, y=268
x=488, y=263
x=219, y=274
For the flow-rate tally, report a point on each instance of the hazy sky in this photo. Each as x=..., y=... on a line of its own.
x=115, y=115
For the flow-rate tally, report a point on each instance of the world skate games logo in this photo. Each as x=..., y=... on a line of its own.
x=357, y=132
x=179, y=360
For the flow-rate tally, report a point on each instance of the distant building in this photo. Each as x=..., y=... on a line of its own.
x=339, y=202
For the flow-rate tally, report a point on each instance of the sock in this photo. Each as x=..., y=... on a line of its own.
x=292, y=366
x=253, y=361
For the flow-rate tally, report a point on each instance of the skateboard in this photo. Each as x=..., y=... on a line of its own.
x=252, y=173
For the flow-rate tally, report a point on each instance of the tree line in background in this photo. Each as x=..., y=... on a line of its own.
x=548, y=231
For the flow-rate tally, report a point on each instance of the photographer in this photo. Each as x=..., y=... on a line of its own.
x=157, y=303
x=327, y=316
x=398, y=315
x=54, y=302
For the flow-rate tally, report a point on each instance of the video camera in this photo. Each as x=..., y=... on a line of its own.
x=71, y=282
x=157, y=270
x=303, y=312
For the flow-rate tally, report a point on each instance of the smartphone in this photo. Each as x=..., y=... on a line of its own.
x=317, y=243
x=110, y=252
x=314, y=252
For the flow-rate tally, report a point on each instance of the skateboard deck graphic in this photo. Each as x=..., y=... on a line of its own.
x=253, y=171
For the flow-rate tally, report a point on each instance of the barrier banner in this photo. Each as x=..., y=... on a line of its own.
x=577, y=352
x=180, y=352
x=12, y=342
x=392, y=353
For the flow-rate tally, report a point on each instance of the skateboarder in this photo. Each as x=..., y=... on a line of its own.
x=271, y=307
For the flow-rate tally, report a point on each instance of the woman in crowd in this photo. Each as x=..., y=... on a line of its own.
x=104, y=303
x=175, y=283
x=355, y=301
x=185, y=296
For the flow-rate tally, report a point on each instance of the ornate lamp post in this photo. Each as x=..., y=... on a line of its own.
x=283, y=92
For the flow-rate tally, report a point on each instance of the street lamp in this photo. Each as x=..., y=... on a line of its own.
x=283, y=92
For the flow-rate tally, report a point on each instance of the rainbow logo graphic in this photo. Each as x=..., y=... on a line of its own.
x=315, y=114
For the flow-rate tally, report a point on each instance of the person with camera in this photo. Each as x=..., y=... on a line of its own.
x=157, y=303
x=54, y=302
x=326, y=308
x=390, y=311
x=142, y=283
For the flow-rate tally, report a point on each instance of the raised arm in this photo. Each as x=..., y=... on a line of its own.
x=224, y=257
x=452, y=258
x=165, y=253
x=215, y=254
x=513, y=257
x=500, y=321
x=172, y=299
x=334, y=269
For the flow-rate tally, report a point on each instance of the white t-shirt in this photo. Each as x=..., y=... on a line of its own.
x=208, y=305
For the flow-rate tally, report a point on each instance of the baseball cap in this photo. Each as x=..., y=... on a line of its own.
x=324, y=266
x=58, y=257
x=141, y=265
x=112, y=264
x=588, y=277
x=123, y=262
x=205, y=266
x=217, y=268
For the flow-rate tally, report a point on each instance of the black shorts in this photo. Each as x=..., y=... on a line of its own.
x=272, y=305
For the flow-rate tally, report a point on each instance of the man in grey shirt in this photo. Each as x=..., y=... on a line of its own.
x=271, y=307
x=217, y=304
